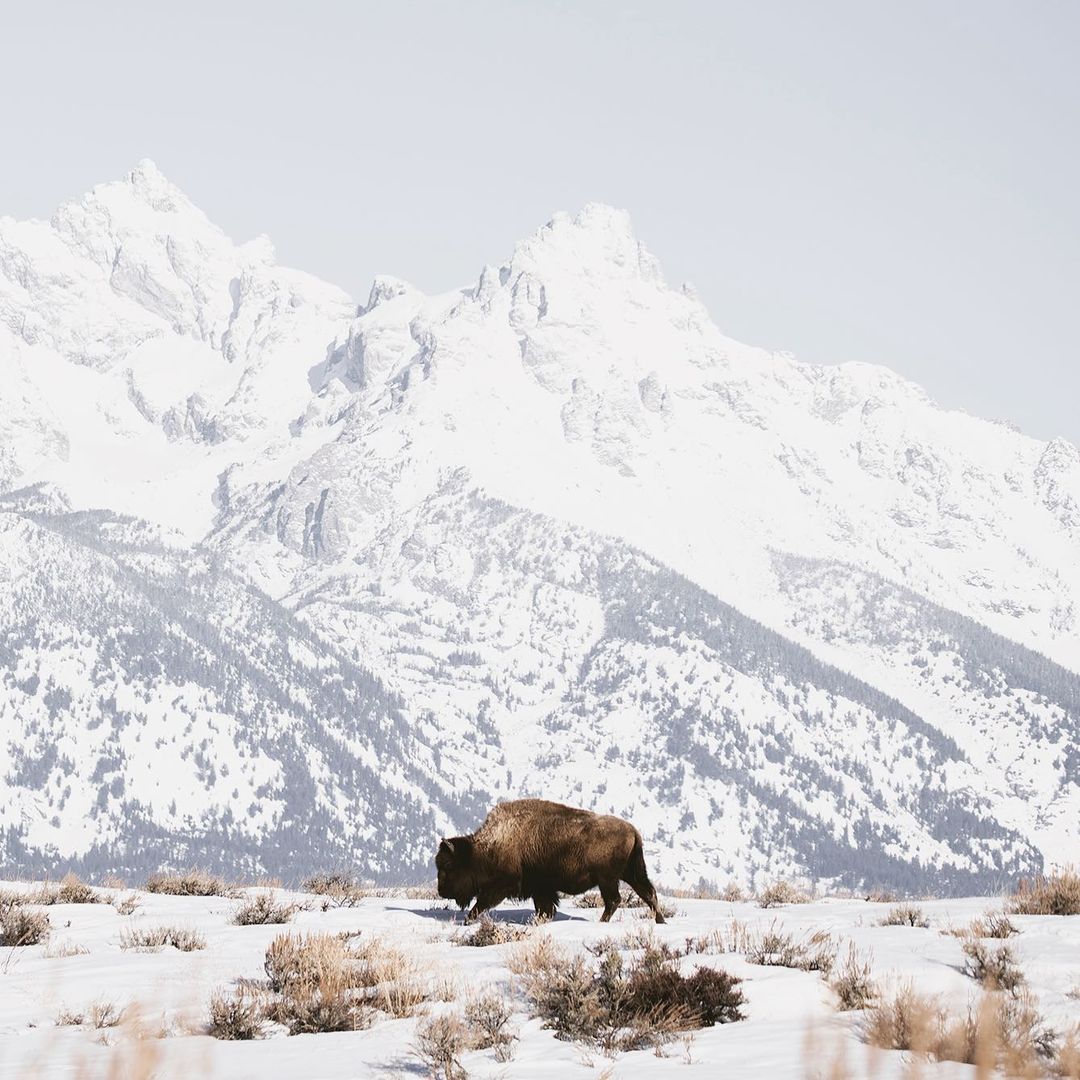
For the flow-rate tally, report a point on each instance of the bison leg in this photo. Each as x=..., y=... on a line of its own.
x=610, y=892
x=484, y=901
x=637, y=877
x=645, y=890
x=545, y=906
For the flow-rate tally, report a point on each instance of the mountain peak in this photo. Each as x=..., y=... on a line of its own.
x=598, y=241
x=150, y=186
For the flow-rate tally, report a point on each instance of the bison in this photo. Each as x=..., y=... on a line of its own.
x=534, y=849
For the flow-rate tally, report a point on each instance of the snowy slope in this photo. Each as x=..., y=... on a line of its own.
x=485, y=501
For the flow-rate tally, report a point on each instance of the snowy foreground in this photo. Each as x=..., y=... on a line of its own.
x=792, y=1030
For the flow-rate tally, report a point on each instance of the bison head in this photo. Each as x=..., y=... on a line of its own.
x=453, y=861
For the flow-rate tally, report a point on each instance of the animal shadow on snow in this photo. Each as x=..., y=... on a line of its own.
x=520, y=916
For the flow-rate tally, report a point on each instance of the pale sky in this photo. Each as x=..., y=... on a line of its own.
x=862, y=180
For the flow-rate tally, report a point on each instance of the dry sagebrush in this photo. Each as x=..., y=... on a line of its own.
x=322, y=983
x=323, y=1000
x=193, y=882
x=441, y=1040
x=994, y=969
x=21, y=926
x=815, y=951
x=236, y=1015
x=1055, y=894
x=619, y=1003
x=340, y=888
x=905, y=915
x=998, y=1031
x=852, y=982
x=155, y=938
x=489, y=932
x=263, y=909
x=782, y=892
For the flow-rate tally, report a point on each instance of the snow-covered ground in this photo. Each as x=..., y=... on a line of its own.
x=792, y=1029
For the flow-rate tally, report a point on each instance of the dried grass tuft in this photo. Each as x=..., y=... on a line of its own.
x=489, y=932
x=439, y=1043
x=852, y=982
x=236, y=1015
x=774, y=947
x=153, y=938
x=262, y=910
x=487, y=1019
x=905, y=915
x=1000, y=1031
x=1055, y=894
x=21, y=926
x=782, y=892
x=126, y=905
x=994, y=969
x=61, y=949
x=622, y=1004
x=193, y=882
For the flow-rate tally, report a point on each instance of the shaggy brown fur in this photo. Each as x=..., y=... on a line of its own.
x=534, y=849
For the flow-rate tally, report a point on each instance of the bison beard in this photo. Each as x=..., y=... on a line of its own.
x=534, y=849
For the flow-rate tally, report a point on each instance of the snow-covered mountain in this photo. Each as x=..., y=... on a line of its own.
x=287, y=581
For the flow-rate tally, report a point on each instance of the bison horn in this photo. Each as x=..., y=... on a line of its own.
x=448, y=844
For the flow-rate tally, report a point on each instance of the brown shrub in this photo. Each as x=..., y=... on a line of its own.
x=324, y=984
x=236, y=1015
x=710, y=942
x=316, y=979
x=339, y=889
x=1000, y=1031
x=263, y=909
x=100, y=1015
x=905, y=1020
x=126, y=905
x=375, y=963
x=296, y=959
x=1056, y=894
x=439, y=1043
x=328, y=1004
x=70, y=890
x=852, y=983
x=153, y=938
x=905, y=915
x=781, y=892
x=487, y=1019
x=620, y=1005
x=9, y=900
x=1067, y=1063
x=1005, y=1031
x=191, y=882
x=343, y=889
x=21, y=925
x=881, y=896
x=993, y=969
x=532, y=956
x=105, y=1014
x=398, y=997
x=775, y=948
x=489, y=932
x=994, y=924
x=61, y=949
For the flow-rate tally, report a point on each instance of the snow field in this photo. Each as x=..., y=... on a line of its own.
x=792, y=1029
